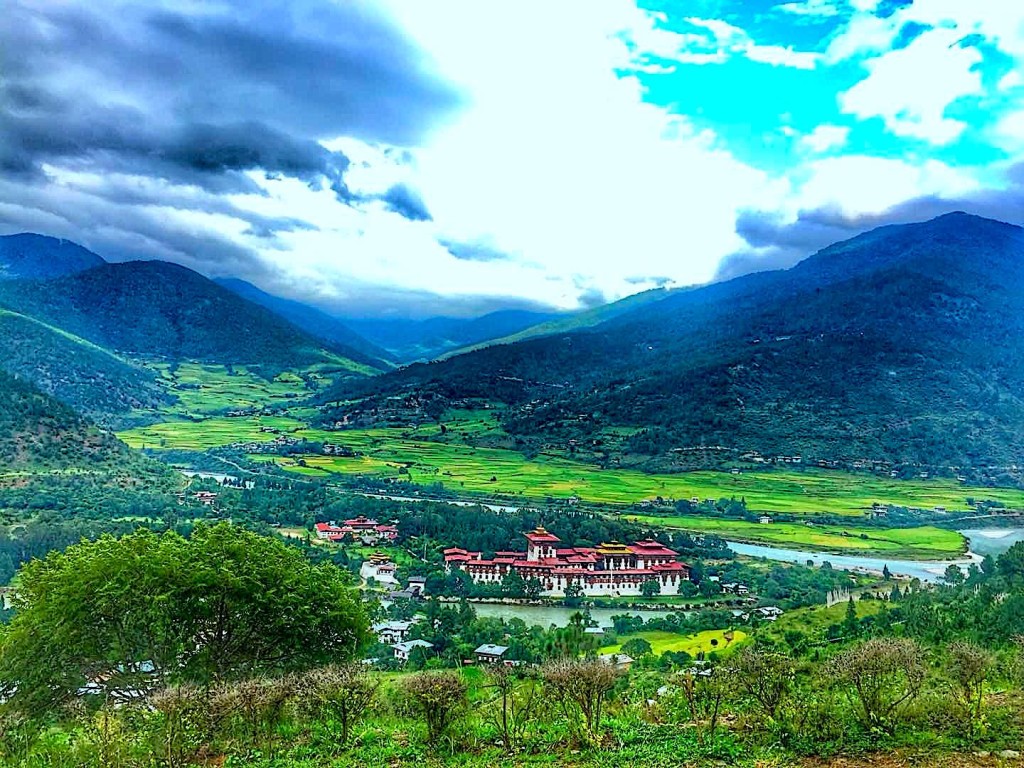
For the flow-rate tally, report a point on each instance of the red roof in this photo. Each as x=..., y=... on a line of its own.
x=650, y=547
x=541, y=536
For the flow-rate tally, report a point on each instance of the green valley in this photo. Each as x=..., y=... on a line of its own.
x=459, y=459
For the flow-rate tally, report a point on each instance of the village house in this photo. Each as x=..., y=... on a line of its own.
x=610, y=569
x=620, y=661
x=362, y=528
x=403, y=650
x=490, y=654
x=417, y=585
x=206, y=498
x=391, y=632
x=735, y=588
x=379, y=568
x=769, y=612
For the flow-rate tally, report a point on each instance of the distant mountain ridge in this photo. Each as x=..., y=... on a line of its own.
x=160, y=309
x=29, y=256
x=411, y=340
x=901, y=345
x=308, y=318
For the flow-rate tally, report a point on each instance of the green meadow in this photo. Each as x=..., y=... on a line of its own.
x=702, y=642
x=925, y=542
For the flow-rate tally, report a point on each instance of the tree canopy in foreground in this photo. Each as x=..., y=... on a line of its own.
x=122, y=616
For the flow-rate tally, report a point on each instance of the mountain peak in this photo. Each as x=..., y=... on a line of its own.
x=30, y=256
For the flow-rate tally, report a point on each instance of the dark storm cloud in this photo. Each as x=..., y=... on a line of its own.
x=406, y=201
x=777, y=244
x=481, y=249
x=658, y=281
x=200, y=96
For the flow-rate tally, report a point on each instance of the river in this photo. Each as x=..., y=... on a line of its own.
x=983, y=541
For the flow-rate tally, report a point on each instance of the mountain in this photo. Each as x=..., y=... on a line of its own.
x=900, y=345
x=571, y=321
x=155, y=309
x=93, y=380
x=409, y=340
x=28, y=256
x=309, y=319
x=39, y=432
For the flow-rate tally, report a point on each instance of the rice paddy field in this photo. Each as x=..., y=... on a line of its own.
x=702, y=642
x=924, y=542
x=204, y=390
x=423, y=456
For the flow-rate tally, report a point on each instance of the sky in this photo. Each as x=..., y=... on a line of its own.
x=402, y=158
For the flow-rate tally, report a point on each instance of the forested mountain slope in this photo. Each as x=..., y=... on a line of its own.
x=39, y=432
x=409, y=340
x=902, y=344
x=93, y=380
x=310, y=319
x=162, y=310
x=28, y=256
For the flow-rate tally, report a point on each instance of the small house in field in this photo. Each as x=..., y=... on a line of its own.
x=490, y=654
x=620, y=661
x=765, y=519
x=403, y=650
x=769, y=612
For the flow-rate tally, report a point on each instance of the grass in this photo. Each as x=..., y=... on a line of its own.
x=923, y=541
x=814, y=620
x=702, y=642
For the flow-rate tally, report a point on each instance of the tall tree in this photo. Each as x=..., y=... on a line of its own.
x=127, y=615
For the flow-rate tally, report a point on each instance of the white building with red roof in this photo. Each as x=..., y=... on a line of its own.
x=360, y=528
x=608, y=570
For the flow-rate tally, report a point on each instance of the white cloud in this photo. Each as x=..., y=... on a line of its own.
x=1011, y=79
x=911, y=88
x=729, y=40
x=1008, y=133
x=826, y=137
x=561, y=162
x=815, y=8
x=857, y=185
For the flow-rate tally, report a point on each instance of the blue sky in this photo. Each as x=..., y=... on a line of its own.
x=398, y=157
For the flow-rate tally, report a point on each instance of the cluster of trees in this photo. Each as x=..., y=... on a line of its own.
x=126, y=616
